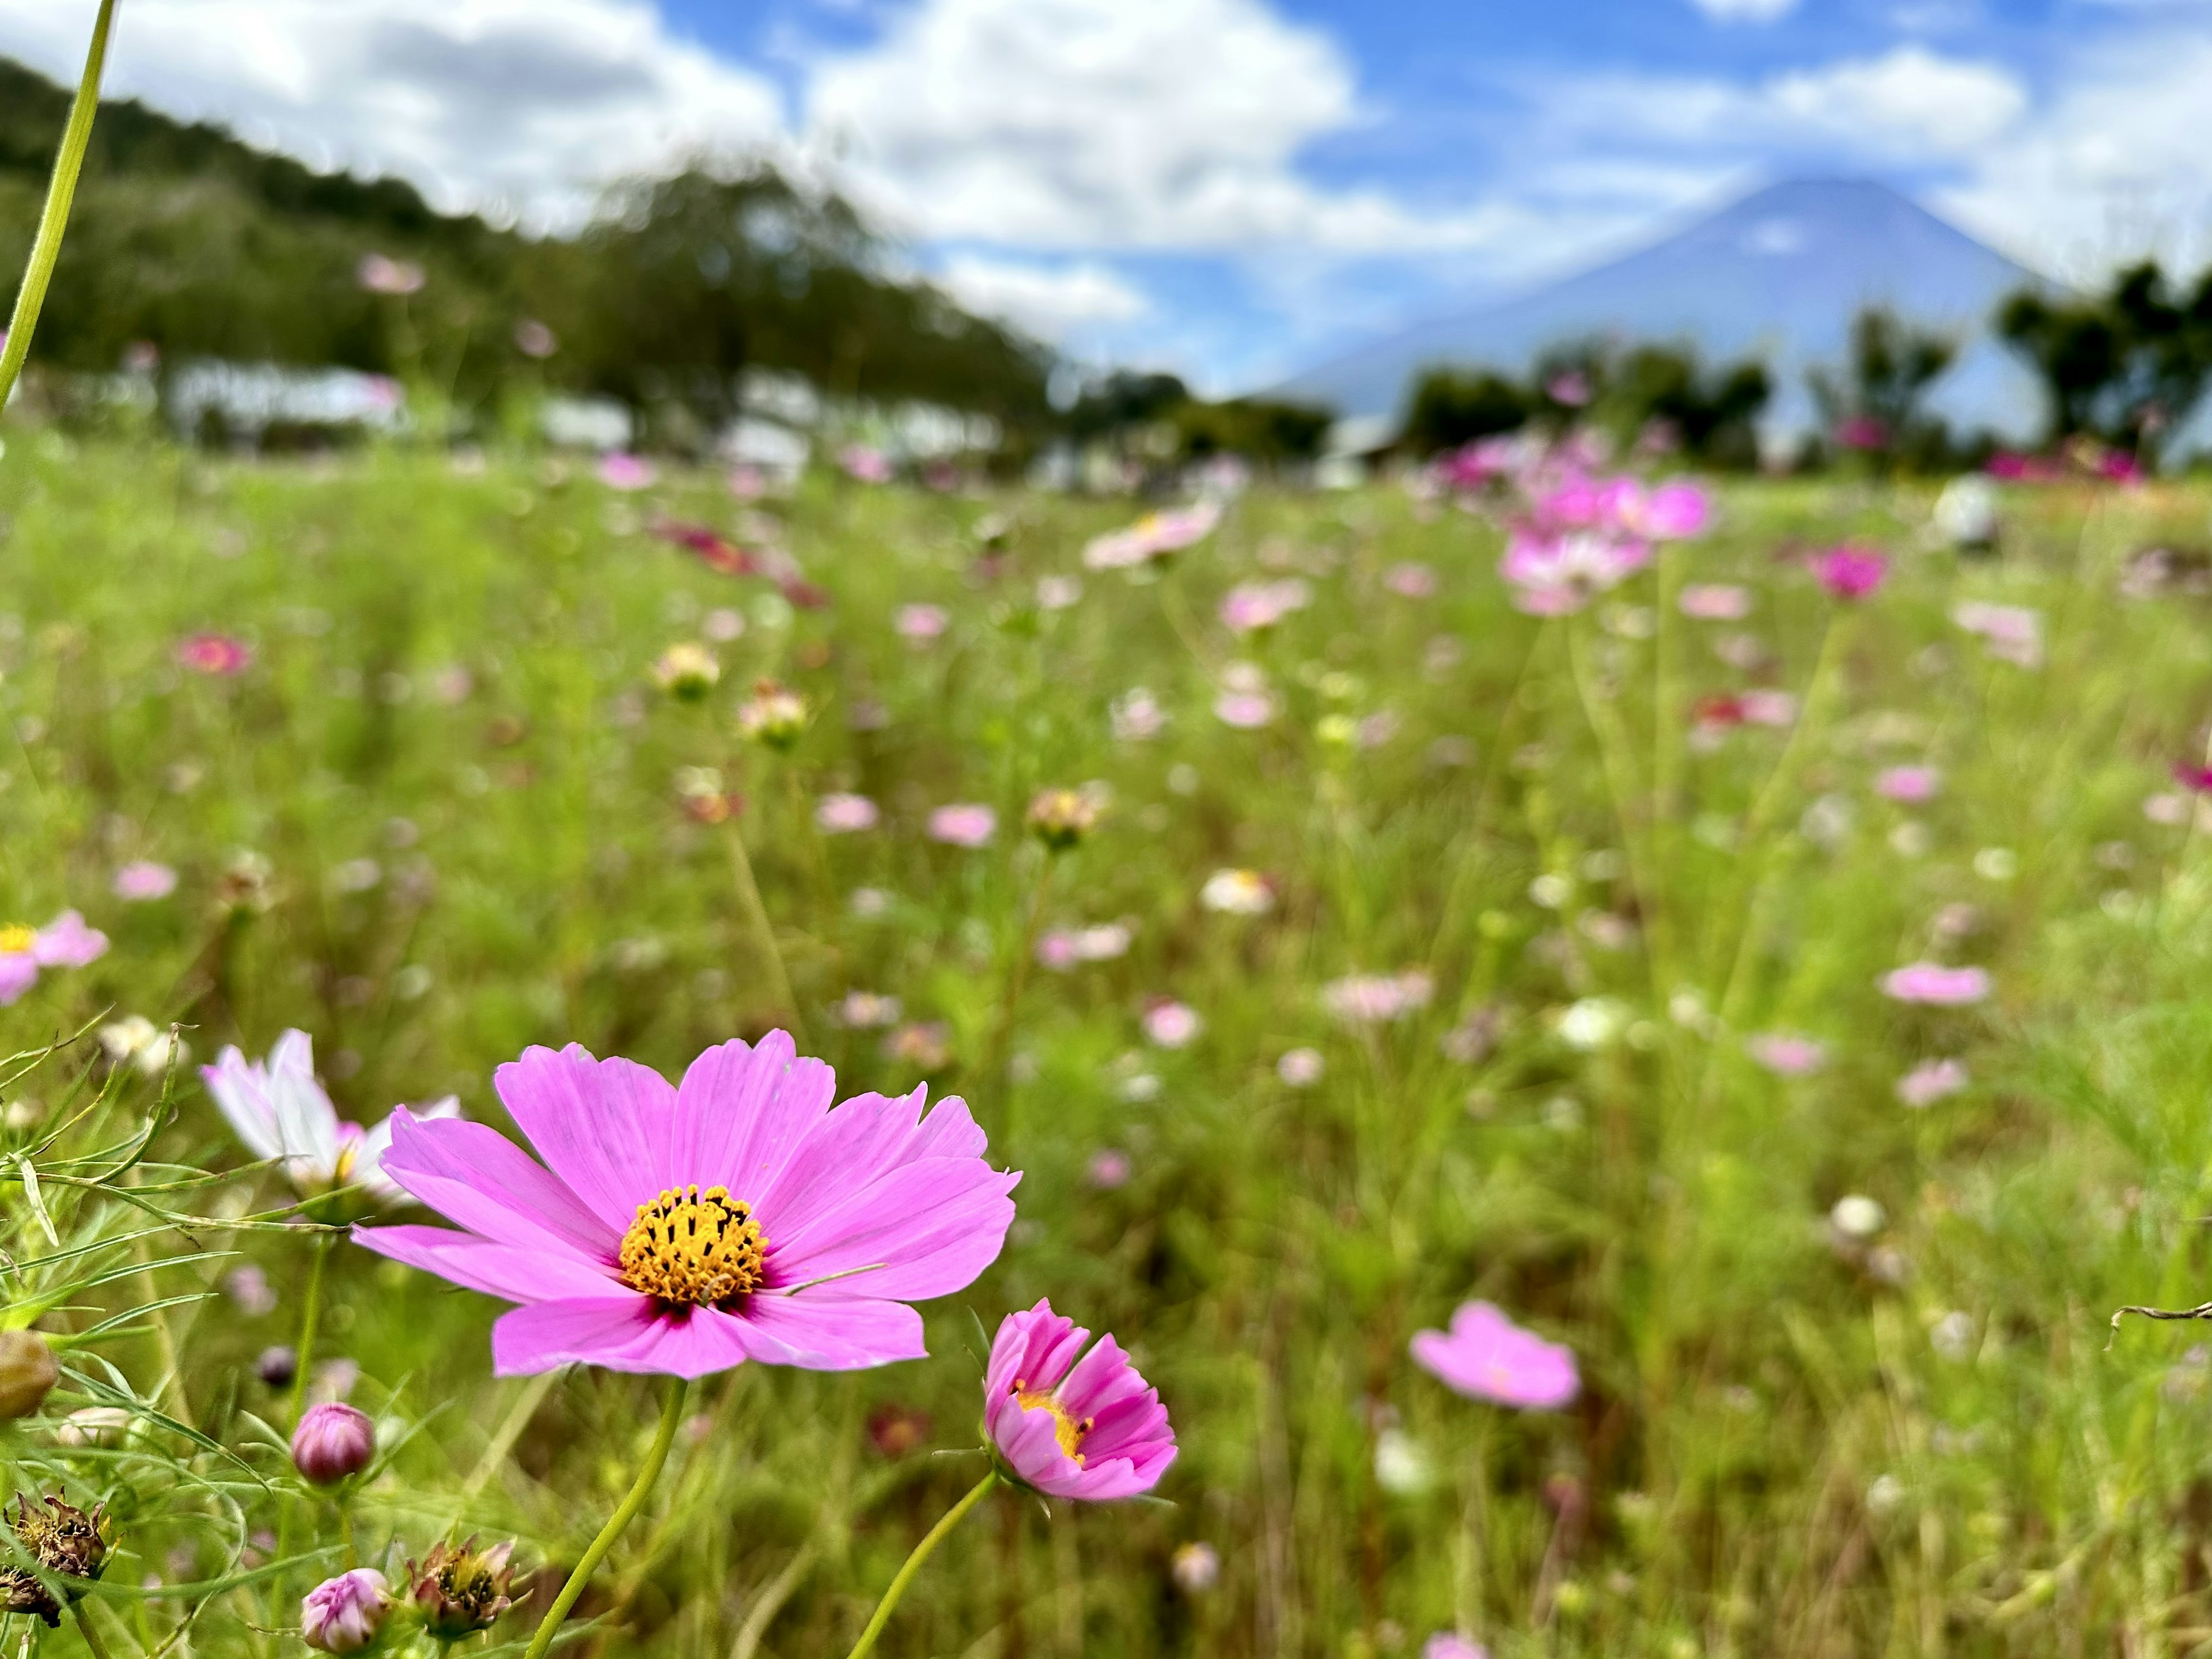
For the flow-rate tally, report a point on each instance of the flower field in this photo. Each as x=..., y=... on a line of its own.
x=1609, y=1049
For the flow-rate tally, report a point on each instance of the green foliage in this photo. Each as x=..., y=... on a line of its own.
x=1876, y=408
x=2127, y=366
x=1452, y=407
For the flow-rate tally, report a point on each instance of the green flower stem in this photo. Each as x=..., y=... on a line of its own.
x=48, y=249
x=310, y=1313
x=672, y=1414
x=84, y=1618
x=764, y=930
x=931, y=1539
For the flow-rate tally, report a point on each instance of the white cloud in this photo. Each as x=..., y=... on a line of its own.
x=1048, y=301
x=1103, y=124
x=1746, y=11
x=529, y=104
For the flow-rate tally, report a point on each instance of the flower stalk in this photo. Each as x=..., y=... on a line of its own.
x=922, y=1551
x=61, y=192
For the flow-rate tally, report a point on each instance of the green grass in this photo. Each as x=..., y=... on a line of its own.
x=1921, y=1445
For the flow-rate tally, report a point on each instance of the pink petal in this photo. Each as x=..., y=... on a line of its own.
x=601, y=1126
x=822, y=1334
x=925, y=1230
x=742, y=1112
x=473, y=1175
x=863, y=1139
x=19, y=972
x=501, y=1270
x=599, y=1331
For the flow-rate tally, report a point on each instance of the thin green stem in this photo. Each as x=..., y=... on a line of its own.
x=993, y=1078
x=310, y=1313
x=749, y=901
x=672, y=1414
x=922, y=1551
x=76, y=137
x=91, y=1636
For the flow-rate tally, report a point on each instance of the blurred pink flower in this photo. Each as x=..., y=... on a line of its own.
x=1556, y=573
x=1251, y=606
x=1930, y=1081
x=1103, y=942
x=1089, y=1428
x=866, y=1010
x=1375, y=999
x=1672, y=512
x=1932, y=983
x=920, y=622
x=1411, y=581
x=842, y=814
x=380, y=274
x=1056, y=950
x=1152, y=536
x=1247, y=711
x=1487, y=1357
x=1450, y=1645
x=1109, y=1171
x=1848, y=572
x=2197, y=779
x=215, y=653
x=1171, y=1025
x=533, y=339
x=2011, y=632
x=619, y=470
x=1137, y=716
x=865, y=464
x=65, y=942
x=1238, y=893
x=1768, y=707
x=142, y=879
x=1787, y=1055
x=1909, y=784
x=1715, y=602
x=964, y=824
x=1860, y=432
x=1301, y=1068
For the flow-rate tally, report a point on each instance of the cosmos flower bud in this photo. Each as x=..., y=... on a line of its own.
x=1087, y=1428
x=277, y=1366
x=461, y=1590
x=65, y=1541
x=333, y=1442
x=687, y=671
x=775, y=715
x=344, y=1614
x=1061, y=817
x=28, y=1371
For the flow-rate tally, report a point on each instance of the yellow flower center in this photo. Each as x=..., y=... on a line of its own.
x=17, y=941
x=1065, y=1429
x=694, y=1246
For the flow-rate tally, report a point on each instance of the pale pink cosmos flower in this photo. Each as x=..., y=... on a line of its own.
x=1411, y=581
x=2012, y=633
x=1103, y=942
x=1930, y=1081
x=1238, y=893
x=1715, y=602
x=142, y=879
x=1110, y=1171
x=1848, y=572
x=683, y=1230
x=1376, y=998
x=1137, y=716
x=1909, y=784
x=1251, y=606
x=1247, y=711
x=380, y=274
x=1931, y=983
x=1171, y=1025
x=866, y=465
x=215, y=653
x=535, y=340
x=1450, y=1645
x=1152, y=536
x=866, y=1010
x=1089, y=1428
x=65, y=942
x=1768, y=707
x=1673, y=512
x=1058, y=593
x=1487, y=1357
x=623, y=470
x=844, y=814
x=345, y=1613
x=1556, y=573
x=963, y=824
x=1300, y=1068
x=921, y=623
x=1056, y=950
x=1786, y=1055
x=280, y=1111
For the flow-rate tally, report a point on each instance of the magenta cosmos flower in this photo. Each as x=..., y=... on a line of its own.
x=215, y=653
x=1910, y=784
x=143, y=880
x=964, y=824
x=845, y=814
x=1090, y=1429
x=686, y=1228
x=1933, y=983
x=1849, y=572
x=1487, y=1357
x=65, y=942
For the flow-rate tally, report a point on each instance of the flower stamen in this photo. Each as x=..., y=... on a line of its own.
x=692, y=1247
x=1065, y=1429
x=16, y=939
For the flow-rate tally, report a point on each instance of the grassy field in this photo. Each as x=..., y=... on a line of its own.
x=445, y=812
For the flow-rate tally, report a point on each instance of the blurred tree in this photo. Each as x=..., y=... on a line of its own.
x=1451, y=407
x=1657, y=395
x=2128, y=366
x=1876, y=409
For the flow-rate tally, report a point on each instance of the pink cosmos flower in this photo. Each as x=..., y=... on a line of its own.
x=344, y=1614
x=1137, y=716
x=1672, y=512
x=1715, y=602
x=1089, y=1428
x=1450, y=1645
x=1375, y=999
x=1110, y=1171
x=842, y=814
x=1300, y=1068
x=2196, y=779
x=964, y=824
x=866, y=465
x=380, y=274
x=1247, y=711
x=684, y=1230
x=1930, y=1081
x=1860, y=432
x=533, y=339
x=1570, y=388
x=142, y=879
x=1849, y=572
x=1939, y=987
x=215, y=653
x=1251, y=606
x=1171, y=1025
x=65, y=942
x=1152, y=536
x=1411, y=581
x=280, y=1111
x=1787, y=1055
x=623, y=470
x=1768, y=707
x=1909, y=784
x=1556, y=573
x=2012, y=633
x=1487, y=1357
x=1056, y=950
x=920, y=622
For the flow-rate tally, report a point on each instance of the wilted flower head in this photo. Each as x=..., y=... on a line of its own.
x=1238, y=893
x=378, y=273
x=65, y=942
x=1486, y=1355
x=775, y=715
x=333, y=1441
x=964, y=823
x=280, y=1111
x=1089, y=1428
x=27, y=1373
x=898, y=1430
x=1930, y=1081
x=1848, y=572
x=844, y=814
x=461, y=1590
x=1786, y=1055
x=135, y=1039
x=215, y=653
x=687, y=670
x=1933, y=983
x=63, y=1538
x=144, y=879
x=344, y=1614
x=1171, y=1025
x=685, y=1230
x=1061, y=817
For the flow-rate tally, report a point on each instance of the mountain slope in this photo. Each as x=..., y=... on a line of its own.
x=1779, y=274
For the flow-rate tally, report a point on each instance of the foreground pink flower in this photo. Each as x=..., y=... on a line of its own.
x=280, y=1111
x=215, y=653
x=142, y=879
x=1487, y=1357
x=1849, y=572
x=1935, y=985
x=65, y=942
x=685, y=1230
x=344, y=1614
x=964, y=824
x=1090, y=1429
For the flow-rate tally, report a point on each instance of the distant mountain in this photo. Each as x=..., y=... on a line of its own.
x=1779, y=274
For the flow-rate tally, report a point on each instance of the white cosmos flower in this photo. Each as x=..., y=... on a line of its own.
x=280, y=1111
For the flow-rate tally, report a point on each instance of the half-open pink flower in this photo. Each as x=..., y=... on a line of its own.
x=1933, y=983
x=1090, y=1429
x=686, y=1228
x=1487, y=1357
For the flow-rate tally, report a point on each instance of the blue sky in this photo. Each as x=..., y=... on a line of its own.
x=1231, y=188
